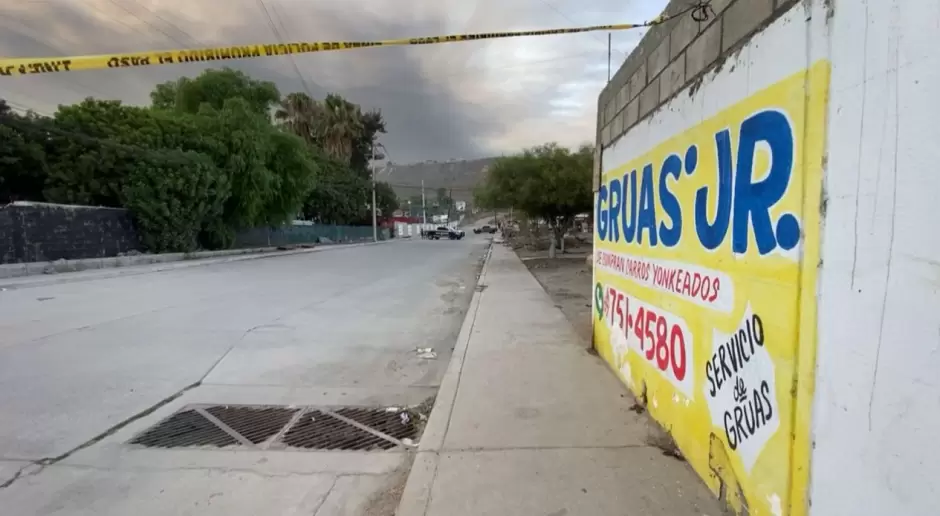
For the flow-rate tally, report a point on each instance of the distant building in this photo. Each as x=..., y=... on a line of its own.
x=460, y=206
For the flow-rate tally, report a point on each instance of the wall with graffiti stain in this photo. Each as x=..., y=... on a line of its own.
x=707, y=220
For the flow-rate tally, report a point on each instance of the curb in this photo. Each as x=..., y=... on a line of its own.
x=164, y=262
x=19, y=270
x=417, y=493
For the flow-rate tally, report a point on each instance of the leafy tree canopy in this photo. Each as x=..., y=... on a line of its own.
x=205, y=160
x=214, y=87
x=546, y=182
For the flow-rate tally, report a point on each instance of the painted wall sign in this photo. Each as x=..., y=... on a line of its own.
x=698, y=266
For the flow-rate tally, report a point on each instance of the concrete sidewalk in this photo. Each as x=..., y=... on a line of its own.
x=527, y=422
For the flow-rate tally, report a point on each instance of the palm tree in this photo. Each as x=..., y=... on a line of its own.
x=340, y=124
x=298, y=113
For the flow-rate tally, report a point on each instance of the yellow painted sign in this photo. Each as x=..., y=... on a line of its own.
x=706, y=249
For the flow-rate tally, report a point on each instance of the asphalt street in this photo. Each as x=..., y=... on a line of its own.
x=87, y=364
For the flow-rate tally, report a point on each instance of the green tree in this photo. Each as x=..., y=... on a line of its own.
x=546, y=182
x=173, y=199
x=372, y=126
x=297, y=113
x=385, y=199
x=295, y=170
x=214, y=87
x=339, y=196
x=340, y=125
x=22, y=156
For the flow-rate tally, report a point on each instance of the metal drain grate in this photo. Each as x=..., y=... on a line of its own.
x=320, y=431
x=256, y=424
x=397, y=424
x=267, y=427
x=184, y=429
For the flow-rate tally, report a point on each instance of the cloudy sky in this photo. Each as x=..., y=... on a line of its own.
x=462, y=100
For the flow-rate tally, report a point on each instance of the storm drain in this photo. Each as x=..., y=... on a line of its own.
x=266, y=427
x=186, y=428
x=319, y=431
x=256, y=424
x=400, y=425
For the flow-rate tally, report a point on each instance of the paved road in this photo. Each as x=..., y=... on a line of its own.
x=334, y=326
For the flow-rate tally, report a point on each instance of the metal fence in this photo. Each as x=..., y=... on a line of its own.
x=305, y=233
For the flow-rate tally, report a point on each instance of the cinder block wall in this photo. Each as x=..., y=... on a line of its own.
x=37, y=232
x=674, y=55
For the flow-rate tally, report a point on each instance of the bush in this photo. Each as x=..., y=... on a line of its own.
x=175, y=199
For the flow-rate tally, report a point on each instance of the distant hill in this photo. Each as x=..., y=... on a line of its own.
x=460, y=175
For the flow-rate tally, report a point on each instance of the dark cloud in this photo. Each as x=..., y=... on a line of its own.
x=461, y=100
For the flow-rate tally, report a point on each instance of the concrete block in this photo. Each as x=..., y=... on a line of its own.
x=609, y=112
x=649, y=97
x=742, y=18
x=616, y=127
x=605, y=136
x=658, y=60
x=685, y=31
x=703, y=51
x=672, y=79
x=623, y=96
x=637, y=81
x=719, y=7
x=631, y=114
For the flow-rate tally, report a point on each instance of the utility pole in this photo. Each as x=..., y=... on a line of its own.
x=450, y=206
x=375, y=227
x=424, y=210
x=608, y=57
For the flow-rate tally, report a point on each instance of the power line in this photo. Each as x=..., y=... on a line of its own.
x=280, y=40
x=168, y=22
x=145, y=22
x=565, y=16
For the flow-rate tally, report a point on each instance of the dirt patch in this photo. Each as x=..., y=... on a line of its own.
x=567, y=279
x=527, y=247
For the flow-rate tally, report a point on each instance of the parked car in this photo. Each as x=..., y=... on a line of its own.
x=442, y=232
x=452, y=233
x=486, y=228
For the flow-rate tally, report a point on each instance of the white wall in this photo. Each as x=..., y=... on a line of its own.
x=876, y=416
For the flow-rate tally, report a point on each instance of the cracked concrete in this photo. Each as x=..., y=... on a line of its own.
x=98, y=360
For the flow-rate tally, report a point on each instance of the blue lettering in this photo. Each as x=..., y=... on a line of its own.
x=614, y=211
x=711, y=235
x=646, y=219
x=629, y=229
x=738, y=201
x=753, y=200
x=601, y=217
x=669, y=236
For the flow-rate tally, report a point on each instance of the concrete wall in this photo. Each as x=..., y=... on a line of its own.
x=782, y=152
x=877, y=410
x=34, y=232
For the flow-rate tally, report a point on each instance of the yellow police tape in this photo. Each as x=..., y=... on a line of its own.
x=34, y=65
